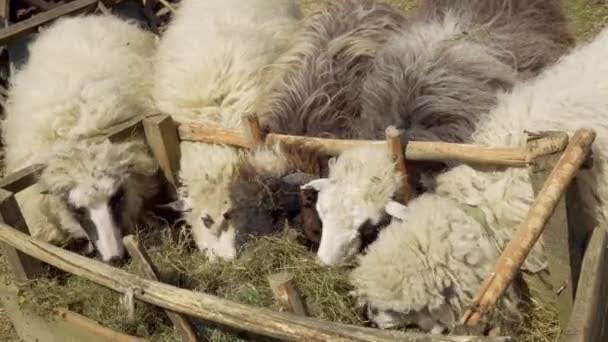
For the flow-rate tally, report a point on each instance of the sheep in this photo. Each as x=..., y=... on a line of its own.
x=433, y=80
x=313, y=88
x=207, y=71
x=570, y=94
x=83, y=75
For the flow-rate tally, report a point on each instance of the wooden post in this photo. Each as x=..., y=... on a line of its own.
x=529, y=231
x=23, y=266
x=397, y=152
x=285, y=292
x=255, y=132
x=148, y=270
x=589, y=317
x=161, y=134
x=556, y=236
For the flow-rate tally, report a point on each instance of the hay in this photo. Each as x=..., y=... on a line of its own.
x=325, y=290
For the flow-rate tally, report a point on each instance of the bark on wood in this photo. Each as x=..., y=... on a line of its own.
x=257, y=320
x=22, y=265
x=285, y=291
x=93, y=327
x=556, y=236
x=162, y=137
x=415, y=150
x=255, y=132
x=589, y=322
x=20, y=29
x=393, y=140
x=148, y=270
x=530, y=230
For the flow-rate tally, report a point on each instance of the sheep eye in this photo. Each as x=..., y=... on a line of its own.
x=207, y=221
x=118, y=195
x=227, y=216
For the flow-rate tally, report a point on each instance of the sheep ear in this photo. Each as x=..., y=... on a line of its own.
x=317, y=184
x=397, y=210
x=180, y=206
x=298, y=178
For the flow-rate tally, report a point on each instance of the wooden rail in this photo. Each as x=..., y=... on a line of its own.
x=257, y=320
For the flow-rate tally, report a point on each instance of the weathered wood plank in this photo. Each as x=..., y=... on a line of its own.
x=20, y=29
x=22, y=265
x=257, y=320
x=163, y=139
x=147, y=268
x=556, y=236
x=589, y=319
x=530, y=230
x=20, y=180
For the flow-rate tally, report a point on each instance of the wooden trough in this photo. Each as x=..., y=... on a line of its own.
x=575, y=249
x=575, y=246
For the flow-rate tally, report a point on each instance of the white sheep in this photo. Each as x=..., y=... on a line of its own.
x=207, y=71
x=83, y=75
x=434, y=81
x=401, y=278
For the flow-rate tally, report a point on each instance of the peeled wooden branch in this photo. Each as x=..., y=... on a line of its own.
x=393, y=140
x=257, y=320
x=89, y=325
x=284, y=290
x=139, y=255
x=530, y=230
x=415, y=150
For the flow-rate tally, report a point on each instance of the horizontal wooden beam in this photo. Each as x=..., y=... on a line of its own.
x=261, y=321
x=23, y=28
x=415, y=150
x=20, y=180
x=92, y=327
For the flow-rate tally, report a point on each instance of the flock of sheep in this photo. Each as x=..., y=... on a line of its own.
x=466, y=71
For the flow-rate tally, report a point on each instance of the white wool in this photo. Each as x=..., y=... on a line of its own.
x=426, y=269
x=207, y=70
x=210, y=56
x=83, y=74
x=570, y=94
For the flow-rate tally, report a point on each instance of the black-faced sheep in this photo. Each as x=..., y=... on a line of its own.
x=314, y=87
x=433, y=80
x=569, y=95
x=207, y=71
x=83, y=75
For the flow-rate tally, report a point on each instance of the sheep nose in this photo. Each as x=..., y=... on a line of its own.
x=116, y=261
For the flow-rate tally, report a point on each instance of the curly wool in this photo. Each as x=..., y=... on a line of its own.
x=84, y=74
x=550, y=101
x=313, y=89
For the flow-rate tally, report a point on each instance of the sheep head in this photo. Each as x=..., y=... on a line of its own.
x=103, y=185
x=355, y=201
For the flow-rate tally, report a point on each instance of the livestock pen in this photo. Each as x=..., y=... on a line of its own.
x=551, y=158
x=581, y=313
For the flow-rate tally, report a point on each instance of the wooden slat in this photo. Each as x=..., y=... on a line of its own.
x=530, y=230
x=22, y=265
x=393, y=140
x=148, y=270
x=20, y=29
x=18, y=181
x=92, y=327
x=556, y=236
x=415, y=150
x=257, y=320
x=589, y=322
x=162, y=137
